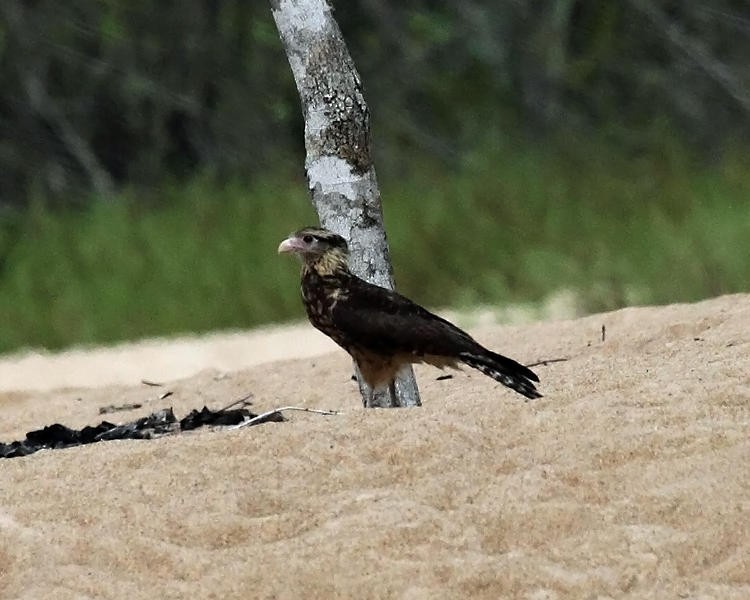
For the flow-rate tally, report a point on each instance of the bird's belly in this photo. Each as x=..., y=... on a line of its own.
x=377, y=370
x=320, y=315
x=326, y=326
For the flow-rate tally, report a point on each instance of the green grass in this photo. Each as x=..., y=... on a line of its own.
x=514, y=223
x=519, y=224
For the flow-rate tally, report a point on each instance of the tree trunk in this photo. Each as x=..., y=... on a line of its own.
x=339, y=167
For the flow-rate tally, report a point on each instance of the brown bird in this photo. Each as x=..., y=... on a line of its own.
x=382, y=330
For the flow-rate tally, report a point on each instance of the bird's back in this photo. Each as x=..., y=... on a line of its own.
x=356, y=313
x=382, y=329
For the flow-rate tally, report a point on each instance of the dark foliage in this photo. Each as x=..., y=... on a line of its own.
x=96, y=95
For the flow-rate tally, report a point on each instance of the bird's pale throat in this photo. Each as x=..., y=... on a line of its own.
x=331, y=262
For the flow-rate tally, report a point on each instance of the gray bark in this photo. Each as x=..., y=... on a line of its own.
x=338, y=163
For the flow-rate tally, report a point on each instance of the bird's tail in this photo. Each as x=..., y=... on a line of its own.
x=503, y=369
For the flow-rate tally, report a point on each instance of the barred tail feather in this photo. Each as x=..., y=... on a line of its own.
x=505, y=370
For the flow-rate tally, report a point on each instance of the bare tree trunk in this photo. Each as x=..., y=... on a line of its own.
x=339, y=167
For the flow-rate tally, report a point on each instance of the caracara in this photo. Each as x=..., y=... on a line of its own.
x=382, y=330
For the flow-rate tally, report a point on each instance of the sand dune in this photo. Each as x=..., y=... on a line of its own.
x=629, y=479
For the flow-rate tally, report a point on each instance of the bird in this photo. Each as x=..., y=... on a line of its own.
x=382, y=330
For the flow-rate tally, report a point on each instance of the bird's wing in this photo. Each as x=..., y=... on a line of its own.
x=384, y=322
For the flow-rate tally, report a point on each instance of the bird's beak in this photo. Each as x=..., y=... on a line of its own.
x=291, y=244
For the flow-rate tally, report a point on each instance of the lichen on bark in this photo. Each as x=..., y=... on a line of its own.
x=337, y=98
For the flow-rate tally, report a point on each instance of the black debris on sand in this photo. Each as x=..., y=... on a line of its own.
x=157, y=424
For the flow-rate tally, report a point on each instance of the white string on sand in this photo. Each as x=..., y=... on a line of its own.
x=270, y=413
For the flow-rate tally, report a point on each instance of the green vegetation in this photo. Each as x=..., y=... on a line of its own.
x=114, y=113
x=514, y=223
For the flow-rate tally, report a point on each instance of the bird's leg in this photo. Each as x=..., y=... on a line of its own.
x=379, y=397
x=383, y=396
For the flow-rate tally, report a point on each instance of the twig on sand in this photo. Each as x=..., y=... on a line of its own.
x=110, y=408
x=264, y=416
x=547, y=361
x=151, y=383
x=244, y=401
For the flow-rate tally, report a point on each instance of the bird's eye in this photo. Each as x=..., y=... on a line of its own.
x=308, y=239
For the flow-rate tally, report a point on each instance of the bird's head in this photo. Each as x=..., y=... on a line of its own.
x=319, y=248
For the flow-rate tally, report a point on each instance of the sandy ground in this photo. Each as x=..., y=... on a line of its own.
x=158, y=359
x=629, y=479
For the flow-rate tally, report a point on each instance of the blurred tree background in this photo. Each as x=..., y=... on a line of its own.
x=151, y=156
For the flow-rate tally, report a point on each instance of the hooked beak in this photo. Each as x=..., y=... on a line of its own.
x=289, y=245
